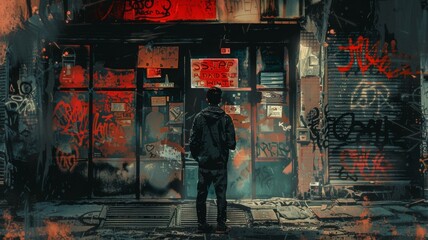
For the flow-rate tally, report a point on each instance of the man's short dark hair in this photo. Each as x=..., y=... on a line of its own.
x=214, y=95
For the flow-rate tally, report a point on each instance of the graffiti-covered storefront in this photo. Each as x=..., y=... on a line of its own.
x=100, y=97
x=123, y=87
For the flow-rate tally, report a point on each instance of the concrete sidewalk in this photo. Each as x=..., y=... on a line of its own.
x=281, y=218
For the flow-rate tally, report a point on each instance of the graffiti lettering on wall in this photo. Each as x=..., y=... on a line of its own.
x=71, y=118
x=424, y=165
x=284, y=126
x=22, y=117
x=364, y=161
x=369, y=96
x=349, y=130
x=21, y=104
x=272, y=149
x=344, y=175
x=113, y=131
x=367, y=55
x=326, y=122
x=313, y=123
x=66, y=162
x=109, y=136
x=265, y=176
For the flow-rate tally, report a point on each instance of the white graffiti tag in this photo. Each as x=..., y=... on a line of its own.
x=370, y=96
x=21, y=105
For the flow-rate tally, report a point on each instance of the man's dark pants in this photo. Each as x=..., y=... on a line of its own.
x=219, y=179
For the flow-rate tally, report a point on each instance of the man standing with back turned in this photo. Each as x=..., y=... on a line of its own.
x=211, y=138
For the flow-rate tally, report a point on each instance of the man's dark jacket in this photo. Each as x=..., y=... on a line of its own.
x=211, y=137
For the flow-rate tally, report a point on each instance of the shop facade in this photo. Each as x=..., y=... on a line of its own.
x=123, y=103
x=103, y=109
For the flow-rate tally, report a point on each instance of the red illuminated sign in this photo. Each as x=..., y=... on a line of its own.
x=169, y=10
x=209, y=72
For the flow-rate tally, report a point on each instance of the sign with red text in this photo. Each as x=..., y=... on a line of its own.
x=214, y=72
x=169, y=10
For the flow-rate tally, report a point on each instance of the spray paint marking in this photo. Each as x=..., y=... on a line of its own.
x=109, y=137
x=284, y=128
x=368, y=96
x=361, y=161
x=424, y=165
x=272, y=149
x=367, y=56
x=72, y=119
x=344, y=175
x=66, y=162
x=265, y=176
x=21, y=105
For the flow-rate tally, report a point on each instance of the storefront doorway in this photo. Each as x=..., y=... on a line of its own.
x=122, y=130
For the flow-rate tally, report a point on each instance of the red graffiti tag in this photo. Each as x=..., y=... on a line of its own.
x=109, y=137
x=362, y=161
x=72, y=119
x=367, y=56
x=66, y=162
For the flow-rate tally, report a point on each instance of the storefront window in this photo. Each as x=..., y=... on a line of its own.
x=162, y=131
x=114, y=120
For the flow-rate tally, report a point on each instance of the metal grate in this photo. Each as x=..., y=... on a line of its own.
x=187, y=216
x=3, y=97
x=141, y=216
x=365, y=140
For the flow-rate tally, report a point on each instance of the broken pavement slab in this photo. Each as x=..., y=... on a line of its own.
x=357, y=211
x=261, y=216
x=346, y=201
x=293, y=212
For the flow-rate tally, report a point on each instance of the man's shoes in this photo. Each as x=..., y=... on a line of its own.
x=204, y=228
x=222, y=229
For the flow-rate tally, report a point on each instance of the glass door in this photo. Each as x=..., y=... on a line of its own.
x=231, y=72
x=273, y=164
x=161, y=149
x=114, y=120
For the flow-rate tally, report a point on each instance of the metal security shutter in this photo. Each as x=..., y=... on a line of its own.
x=364, y=120
x=3, y=97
